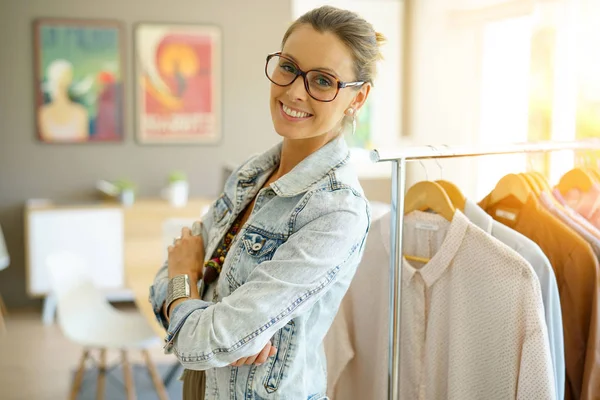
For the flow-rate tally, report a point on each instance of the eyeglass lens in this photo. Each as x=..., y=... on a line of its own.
x=321, y=85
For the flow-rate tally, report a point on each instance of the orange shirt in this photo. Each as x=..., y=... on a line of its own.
x=576, y=268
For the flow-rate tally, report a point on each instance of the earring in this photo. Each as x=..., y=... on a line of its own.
x=353, y=114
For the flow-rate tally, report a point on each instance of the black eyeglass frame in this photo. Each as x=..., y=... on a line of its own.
x=299, y=72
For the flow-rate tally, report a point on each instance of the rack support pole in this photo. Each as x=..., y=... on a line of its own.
x=398, y=190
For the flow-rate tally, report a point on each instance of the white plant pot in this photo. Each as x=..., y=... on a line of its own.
x=127, y=197
x=177, y=193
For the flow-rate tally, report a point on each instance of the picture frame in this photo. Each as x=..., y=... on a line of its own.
x=79, y=79
x=178, y=83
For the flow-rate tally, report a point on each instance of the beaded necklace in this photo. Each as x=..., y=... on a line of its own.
x=214, y=266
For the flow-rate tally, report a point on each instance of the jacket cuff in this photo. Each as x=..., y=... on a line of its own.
x=178, y=317
x=158, y=296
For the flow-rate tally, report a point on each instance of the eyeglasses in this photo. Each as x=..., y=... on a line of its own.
x=320, y=85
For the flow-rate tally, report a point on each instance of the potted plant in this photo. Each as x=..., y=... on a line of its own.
x=126, y=191
x=178, y=189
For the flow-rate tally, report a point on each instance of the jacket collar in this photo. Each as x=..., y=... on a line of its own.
x=309, y=171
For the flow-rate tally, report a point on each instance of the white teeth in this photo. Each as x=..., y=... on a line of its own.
x=294, y=113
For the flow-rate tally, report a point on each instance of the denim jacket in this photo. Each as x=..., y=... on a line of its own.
x=282, y=281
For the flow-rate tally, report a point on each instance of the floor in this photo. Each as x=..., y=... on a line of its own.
x=37, y=361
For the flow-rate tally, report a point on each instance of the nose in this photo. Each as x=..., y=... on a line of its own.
x=296, y=91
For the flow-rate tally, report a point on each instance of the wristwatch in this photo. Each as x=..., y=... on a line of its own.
x=178, y=288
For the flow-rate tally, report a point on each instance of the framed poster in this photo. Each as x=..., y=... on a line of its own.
x=78, y=80
x=178, y=83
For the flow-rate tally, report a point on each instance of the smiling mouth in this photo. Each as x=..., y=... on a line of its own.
x=293, y=114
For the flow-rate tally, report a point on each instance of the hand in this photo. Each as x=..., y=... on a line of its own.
x=258, y=359
x=186, y=255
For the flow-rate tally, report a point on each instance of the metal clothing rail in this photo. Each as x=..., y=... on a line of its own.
x=399, y=158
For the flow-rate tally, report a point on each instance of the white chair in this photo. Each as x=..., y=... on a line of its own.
x=87, y=318
x=4, y=262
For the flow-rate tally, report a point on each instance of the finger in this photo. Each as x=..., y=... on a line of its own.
x=185, y=232
x=240, y=362
x=197, y=228
x=252, y=359
x=170, y=248
x=264, y=354
x=273, y=351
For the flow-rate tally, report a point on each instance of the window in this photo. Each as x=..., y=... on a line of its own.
x=379, y=119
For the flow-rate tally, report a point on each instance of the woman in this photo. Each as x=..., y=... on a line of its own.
x=62, y=119
x=283, y=241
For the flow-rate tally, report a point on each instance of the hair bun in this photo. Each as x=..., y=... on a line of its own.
x=380, y=38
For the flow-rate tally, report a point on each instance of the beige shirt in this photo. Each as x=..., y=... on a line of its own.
x=474, y=281
x=357, y=344
x=472, y=317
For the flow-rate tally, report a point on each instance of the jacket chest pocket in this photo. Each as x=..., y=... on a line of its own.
x=255, y=246
x=221, y=208
x=260, y=245
x=221, y=214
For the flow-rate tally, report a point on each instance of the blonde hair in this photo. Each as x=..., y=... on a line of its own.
x=55, y=72
x=354, y=31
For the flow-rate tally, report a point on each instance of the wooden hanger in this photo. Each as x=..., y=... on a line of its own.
x=594, y=173
x=542, y=181
x=577, y=178
x=454, y=193
x=511, y=185
x=533, y=184
x=428, y=196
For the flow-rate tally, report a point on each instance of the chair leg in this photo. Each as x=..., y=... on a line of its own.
x=101, y=375
x=49, y=310
x=158, y=383
x=3, y=312
x=79, y=375
x=173, y=370
x=129, y=385
x=3, y=309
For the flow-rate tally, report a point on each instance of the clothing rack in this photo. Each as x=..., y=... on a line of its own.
x=399, y=158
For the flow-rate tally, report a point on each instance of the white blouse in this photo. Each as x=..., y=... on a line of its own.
x=472, y=317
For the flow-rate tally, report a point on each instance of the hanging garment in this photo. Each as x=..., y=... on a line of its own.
x=546, y=201
x=577, y=213
x=532, y=253
x=357, y=344
x=576, y=268
x=559, y=201
x=587, y=204
x=472, y=318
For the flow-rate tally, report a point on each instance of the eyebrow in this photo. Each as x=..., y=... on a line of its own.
x=324, y=69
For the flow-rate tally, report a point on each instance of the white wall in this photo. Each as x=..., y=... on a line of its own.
x=443, y=89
